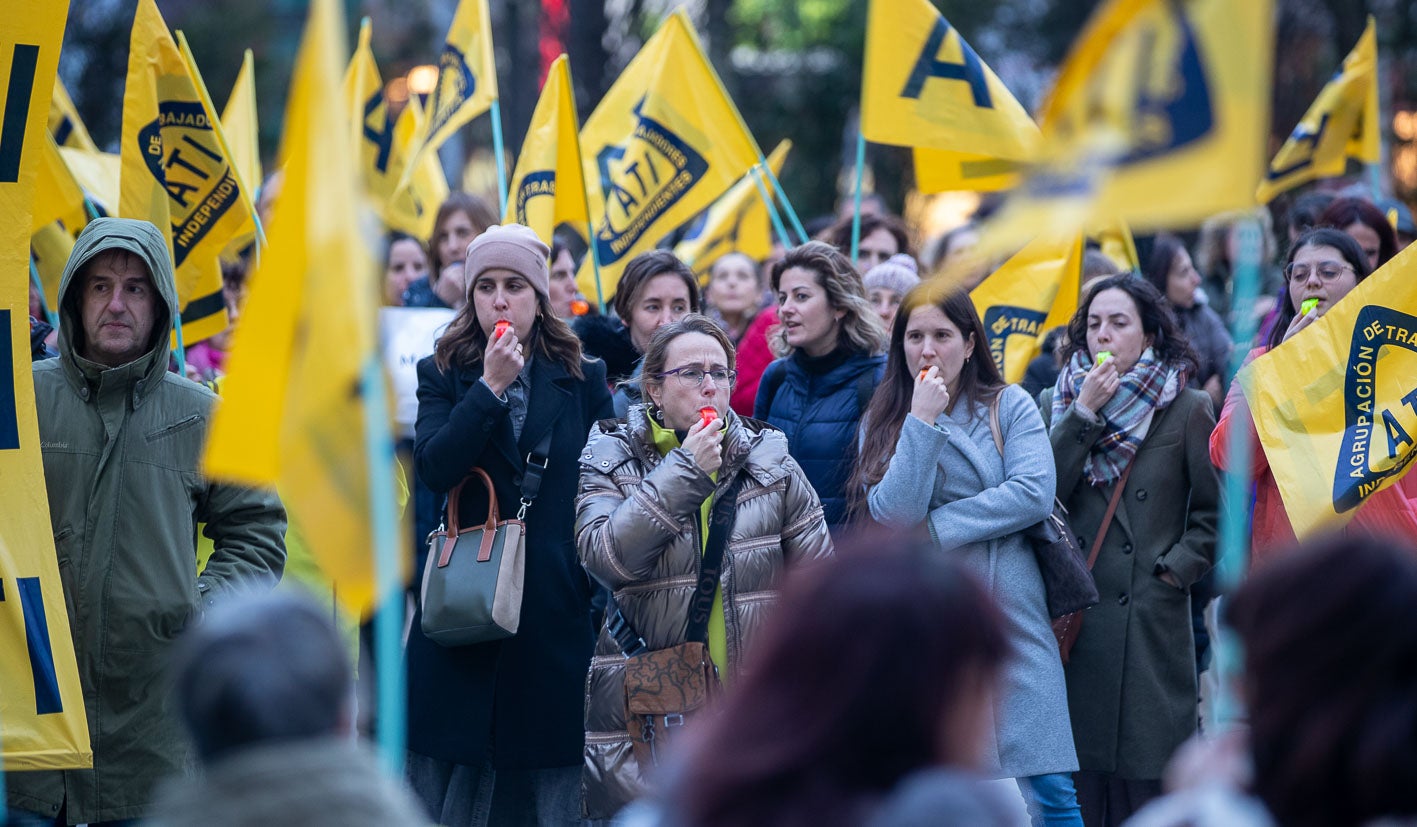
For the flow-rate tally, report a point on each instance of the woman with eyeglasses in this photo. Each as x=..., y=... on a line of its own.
x=1323, y=266
x=648, y=485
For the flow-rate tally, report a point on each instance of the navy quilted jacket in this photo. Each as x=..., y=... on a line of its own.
x=818, y=403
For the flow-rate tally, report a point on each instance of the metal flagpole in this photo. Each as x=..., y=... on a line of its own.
x=499, y=152
x=856, y=209
x=388, y=617
x=777, y=224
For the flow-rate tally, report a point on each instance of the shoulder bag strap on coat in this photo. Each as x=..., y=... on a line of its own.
x=725, y=509
x=1107, y=518
x=994, y=423
x=536, y=463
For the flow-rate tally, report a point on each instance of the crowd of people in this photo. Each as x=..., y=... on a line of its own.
x=832, y=442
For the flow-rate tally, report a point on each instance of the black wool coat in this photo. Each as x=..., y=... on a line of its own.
x=516, y=701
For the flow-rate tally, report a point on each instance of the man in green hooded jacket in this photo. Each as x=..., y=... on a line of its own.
x=122, y=443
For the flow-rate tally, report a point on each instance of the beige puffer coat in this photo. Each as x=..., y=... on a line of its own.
x=637, y=529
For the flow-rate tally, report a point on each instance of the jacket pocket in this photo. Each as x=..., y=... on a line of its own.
x=175, y=427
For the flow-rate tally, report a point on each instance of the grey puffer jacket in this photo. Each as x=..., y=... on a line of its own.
x=637, y=530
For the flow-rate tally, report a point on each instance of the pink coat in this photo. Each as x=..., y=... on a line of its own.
x=754, y=356
x=1390, y=512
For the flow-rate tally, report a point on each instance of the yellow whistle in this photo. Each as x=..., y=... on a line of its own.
x=1103, y=355
x=1307, y=305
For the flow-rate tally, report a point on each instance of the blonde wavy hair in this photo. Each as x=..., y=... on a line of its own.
x=861, y=329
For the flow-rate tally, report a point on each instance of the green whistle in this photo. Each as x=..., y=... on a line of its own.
x=1307, y=305
x=1103, y=355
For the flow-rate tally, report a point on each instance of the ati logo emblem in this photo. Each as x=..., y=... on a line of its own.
x=642, y=180
x=1375, y=445
x=455, y=85
x=1004, y=321
x=535, y=184
x=183, y=155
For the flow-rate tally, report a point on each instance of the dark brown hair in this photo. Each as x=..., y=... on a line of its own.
x=1316, y=237
x=657, y=351
x=1345, y=212
x=849, y=690
x=464, y=341
x=644, y=267
x=979, y=382
x=1330, y=642
x=1168, y=342
x=838, y=235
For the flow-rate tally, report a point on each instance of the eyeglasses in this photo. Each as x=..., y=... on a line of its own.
x=1328, y=271
x=691, y=377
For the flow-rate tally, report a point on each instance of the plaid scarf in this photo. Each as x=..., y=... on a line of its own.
x=1145, y=389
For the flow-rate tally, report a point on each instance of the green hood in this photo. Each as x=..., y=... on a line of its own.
x=142, y=239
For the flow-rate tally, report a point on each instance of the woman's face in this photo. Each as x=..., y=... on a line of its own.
x=932, y=340
x=809, y=322
x=1114, y=325
x=407, y=262
x=681, y=400
x=663, y=299
x=1182, y=280
x=453, y=236
x=733, y=285
x=563, y=284
x=1311, y=264
x=502, y=294
x=886, y=302
x=1368, y=239
x=875, y=248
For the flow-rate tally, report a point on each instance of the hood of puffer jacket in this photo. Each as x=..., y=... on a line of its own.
x=143, y=240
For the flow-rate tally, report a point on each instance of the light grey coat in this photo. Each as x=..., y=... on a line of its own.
x=975, y=503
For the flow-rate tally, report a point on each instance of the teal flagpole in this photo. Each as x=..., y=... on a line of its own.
x=786, y=204
x=49, y=313
x=777, y=224
x=389, y=612
x=856, y=208
x=1235, y=516
x=181, y=346
x=499, y=151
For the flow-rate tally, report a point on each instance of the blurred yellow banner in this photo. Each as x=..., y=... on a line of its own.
x=736, y=223
x=1028, y=295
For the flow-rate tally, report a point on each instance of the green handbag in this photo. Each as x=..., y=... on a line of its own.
x=472, y=582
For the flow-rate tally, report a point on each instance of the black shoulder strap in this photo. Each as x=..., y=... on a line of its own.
x=725, y=509
x=536, y=463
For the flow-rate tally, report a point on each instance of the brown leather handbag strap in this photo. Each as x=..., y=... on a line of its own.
x=484, y=552
x=1107, y=518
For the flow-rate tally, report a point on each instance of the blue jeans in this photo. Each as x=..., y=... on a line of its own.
x=1052, y=800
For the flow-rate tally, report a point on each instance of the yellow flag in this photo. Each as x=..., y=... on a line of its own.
x=1028, y=295
x=176, y=169
x=924, y=86
x=467, y=77
x=42, y=720
x=241, y=127
x=944, y=170
x=291, y=400
x=664, y=142
x=1115, y=239
x=1335, y=406
x=548, y=187
x=736, y=223
x=57, y=196
x=64, y=122
x=98, y=173
x=385, y=148
x=1342, y=123
x=1158, y=118
x=51, y=246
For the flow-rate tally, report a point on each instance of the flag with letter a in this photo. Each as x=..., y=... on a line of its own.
x=292, y=396
x=1336, y=405
x=1028, y=295
x=1158, y=118
x=548, y=186
x=176, y=172
x=664, y=142
x=924, y=87
x=42, y=721
x=1342, y=123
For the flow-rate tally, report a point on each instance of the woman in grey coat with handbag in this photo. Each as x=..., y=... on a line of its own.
x=928, y=456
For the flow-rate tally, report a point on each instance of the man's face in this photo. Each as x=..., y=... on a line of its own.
x=119, y=309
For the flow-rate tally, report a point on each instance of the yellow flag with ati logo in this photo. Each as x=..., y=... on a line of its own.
x=1158, y=117
x=1033, y=292
x=923, y=86
x=42, y=721
x=1342, y=123
x=467, y=80
x=664, y=142
x=736, y=223
x=1336, y=405
x=548, y=186
x=176, y=171
x=386, y=146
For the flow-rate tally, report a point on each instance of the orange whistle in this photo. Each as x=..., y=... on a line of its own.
x=923, y=371
x=580, y=307
x=709, y=414
x=500, y=329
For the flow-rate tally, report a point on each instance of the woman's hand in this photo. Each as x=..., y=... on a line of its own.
x=502, y=361
x=1099, y=386
x=705, y=445
x=1300, y=322
x=931, y=398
